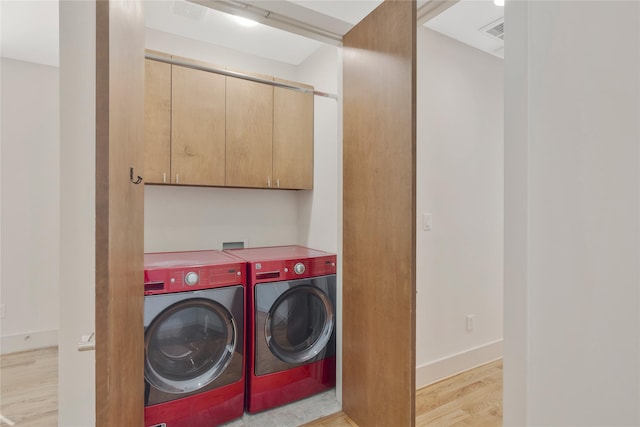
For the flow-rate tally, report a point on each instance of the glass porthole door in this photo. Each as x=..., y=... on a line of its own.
x=299, y=324
x=188, y=345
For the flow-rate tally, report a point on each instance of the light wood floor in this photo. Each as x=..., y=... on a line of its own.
x=29, y=390
x=472, y=398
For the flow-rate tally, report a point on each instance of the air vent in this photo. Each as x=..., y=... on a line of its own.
x=495, y=29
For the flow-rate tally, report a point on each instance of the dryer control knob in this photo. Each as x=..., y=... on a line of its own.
x=299, y=268
x=191, y=278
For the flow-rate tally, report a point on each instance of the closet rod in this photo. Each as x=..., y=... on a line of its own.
x=237, y=75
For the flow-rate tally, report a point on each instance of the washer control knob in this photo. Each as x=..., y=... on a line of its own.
x=191, y=278
x=299, y=268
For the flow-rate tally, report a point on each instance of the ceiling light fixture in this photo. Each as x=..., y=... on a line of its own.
x=499, y=2
x=245, y=22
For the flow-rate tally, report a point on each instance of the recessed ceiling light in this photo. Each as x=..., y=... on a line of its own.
x=245, y=22
x=498, y=2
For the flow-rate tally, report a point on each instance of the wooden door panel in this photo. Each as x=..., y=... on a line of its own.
x=379, y=217
x=292, y=139
x=197, y=127
x=120, y=76
x=157, y=122
x=249, y=133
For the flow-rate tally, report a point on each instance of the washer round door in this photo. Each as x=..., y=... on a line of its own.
x=299, y=324
x=188, y=345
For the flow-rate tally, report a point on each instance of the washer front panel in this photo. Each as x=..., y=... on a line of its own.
x=194, y=341
x=294, y=323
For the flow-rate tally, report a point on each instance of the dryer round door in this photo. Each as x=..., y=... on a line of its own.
x=299, y=324
x=188, y=345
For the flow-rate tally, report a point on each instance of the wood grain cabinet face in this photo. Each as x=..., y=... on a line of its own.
x=292, y=139
x=202, y=128
x=197, y=127
x=157, y=122
x=249, y=133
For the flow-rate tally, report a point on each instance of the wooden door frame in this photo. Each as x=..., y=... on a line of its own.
x=119, y=242
x=379, y=217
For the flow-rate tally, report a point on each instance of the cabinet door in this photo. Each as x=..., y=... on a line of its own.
x=249, y=133
x=292, y=139
x=157, y=122
x=197, y=127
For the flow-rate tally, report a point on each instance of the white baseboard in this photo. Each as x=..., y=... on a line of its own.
x=28, y=341
x=446, y=367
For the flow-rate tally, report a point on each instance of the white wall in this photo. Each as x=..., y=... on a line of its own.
x=320, y=211
x=572, y=210
x=217, y=55
x=460, y=182
x=189, y=218
x=30, y=205
x=76, y=373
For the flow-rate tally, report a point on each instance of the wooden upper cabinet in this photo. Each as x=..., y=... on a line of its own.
x=204, y=128
x=249, y=133
x=292, y=139
x=197, y=127
x=157, y=122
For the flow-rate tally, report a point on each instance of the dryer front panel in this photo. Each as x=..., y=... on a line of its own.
x=193, y=343
x=294, y=323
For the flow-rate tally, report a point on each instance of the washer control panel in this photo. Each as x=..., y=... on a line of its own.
x=192, y=278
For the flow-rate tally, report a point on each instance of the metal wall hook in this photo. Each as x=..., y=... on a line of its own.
x=137, y=181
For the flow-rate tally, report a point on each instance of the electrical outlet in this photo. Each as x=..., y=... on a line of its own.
x=3, y=311
x=470, y=319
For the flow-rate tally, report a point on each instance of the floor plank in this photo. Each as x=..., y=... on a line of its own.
x=29, y=388
x=29, y=382
x=472, y=398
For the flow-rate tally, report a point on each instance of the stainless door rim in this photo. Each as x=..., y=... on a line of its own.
x=177, y=386
x=323, y=338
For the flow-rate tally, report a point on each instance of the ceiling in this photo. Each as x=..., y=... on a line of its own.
x=465, y=22
x=29, y=29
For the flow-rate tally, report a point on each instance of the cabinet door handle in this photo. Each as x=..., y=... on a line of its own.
x=177, y=178
x=164, y=177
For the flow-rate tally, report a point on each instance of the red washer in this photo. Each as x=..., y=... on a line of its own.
x=291, y=342
x=194, y=338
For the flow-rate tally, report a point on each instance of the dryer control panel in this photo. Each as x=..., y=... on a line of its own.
x=279, y=270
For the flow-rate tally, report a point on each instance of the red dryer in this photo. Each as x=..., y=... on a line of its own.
x=194, y=338
x=291, y=343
